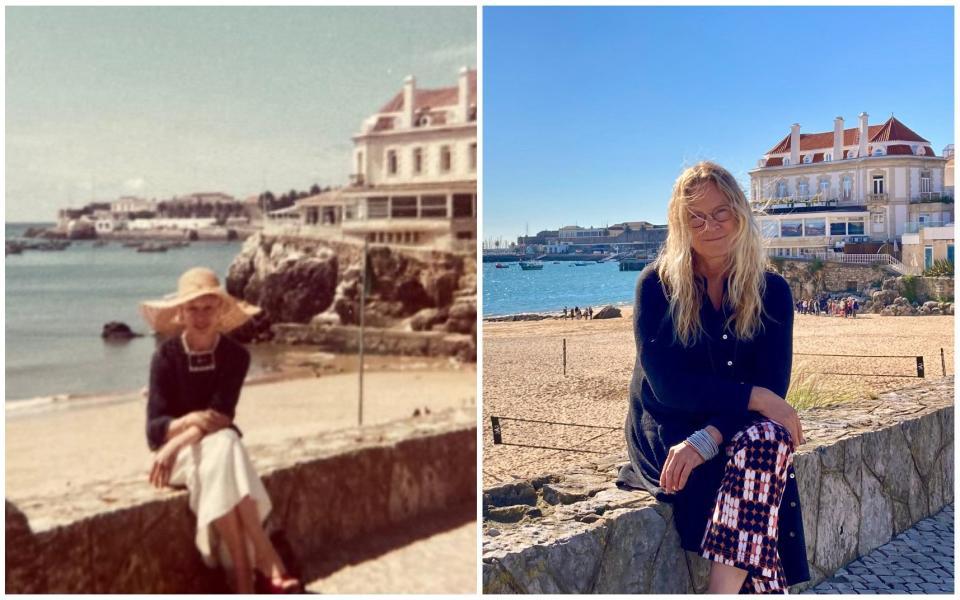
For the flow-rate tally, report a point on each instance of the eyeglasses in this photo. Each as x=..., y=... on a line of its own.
x=719, y=215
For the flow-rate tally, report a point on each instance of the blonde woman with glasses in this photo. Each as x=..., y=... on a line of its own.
x=708, y=428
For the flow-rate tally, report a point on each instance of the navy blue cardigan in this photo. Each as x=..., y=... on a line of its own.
x=676, y=391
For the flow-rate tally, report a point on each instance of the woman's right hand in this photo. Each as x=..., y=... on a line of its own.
x=208, y=420
x=777, y=410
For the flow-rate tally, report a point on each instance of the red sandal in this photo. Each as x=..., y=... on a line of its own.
x=278, y=585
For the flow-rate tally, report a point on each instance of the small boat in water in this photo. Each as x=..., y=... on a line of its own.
x=531, y=265
x=151, y=247
x=502, y=266
x=582, y=263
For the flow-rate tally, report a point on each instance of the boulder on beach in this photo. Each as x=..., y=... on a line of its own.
x=607, y=312
x=115, y=330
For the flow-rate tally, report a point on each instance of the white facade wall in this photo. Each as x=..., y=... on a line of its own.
x=375, y=151
x=900, y=183
x=142, y=224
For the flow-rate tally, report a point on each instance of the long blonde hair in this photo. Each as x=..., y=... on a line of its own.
x=747, y=261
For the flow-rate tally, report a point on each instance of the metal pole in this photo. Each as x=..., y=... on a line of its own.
x=943, y=362
x=363, y=300
x=564, y=357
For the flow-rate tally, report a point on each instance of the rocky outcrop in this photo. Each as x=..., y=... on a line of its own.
x=327, y=490
x=607, y=312
x=115, y=330
x=319, y=282
x=868, y=472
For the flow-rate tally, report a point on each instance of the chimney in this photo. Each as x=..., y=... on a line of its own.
x=409, y=86
x=838, y=138
x=463, y=95
x=862, y=148
x=795, y=144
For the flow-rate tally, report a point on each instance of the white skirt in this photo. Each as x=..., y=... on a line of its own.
x=218, y=473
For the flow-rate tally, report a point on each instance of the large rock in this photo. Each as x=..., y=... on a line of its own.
x=298, y=290
x=115, y=330
x=884, y=298
x=22, y=574
x=607, y=312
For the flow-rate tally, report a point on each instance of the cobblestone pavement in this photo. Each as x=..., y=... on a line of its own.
x=918, y=561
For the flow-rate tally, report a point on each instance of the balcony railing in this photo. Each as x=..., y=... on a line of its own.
x=798, y=201
x=862, y=259
x=916, y=226
x=925, y=197
x=877, y=197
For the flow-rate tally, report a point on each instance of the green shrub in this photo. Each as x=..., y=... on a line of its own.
x=940, y=268
x=777, y=262
x=909, y=283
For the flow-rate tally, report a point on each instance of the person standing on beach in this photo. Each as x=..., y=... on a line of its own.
x=195, y=381
x=708, y=427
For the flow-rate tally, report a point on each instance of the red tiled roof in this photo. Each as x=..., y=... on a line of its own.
x=928, y=151
x=899, y=149
x=891, y=131
x=895, y=131
x=774, y=161
x=818, y=157
x=383, y=123
x=432, y=98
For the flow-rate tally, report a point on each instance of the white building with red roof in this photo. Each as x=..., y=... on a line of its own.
x=414, y=172
x=817, y=192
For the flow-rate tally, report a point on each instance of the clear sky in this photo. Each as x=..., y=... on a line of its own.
x=589, y=114
x=102, y=102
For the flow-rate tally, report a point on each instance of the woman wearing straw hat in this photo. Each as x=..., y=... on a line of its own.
x=708, y=428
x=195, y=381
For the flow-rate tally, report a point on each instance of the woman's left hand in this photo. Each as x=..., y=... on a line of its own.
x=163, y=464
x=682, y=459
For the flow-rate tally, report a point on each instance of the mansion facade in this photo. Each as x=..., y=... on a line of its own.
x=872, y=184
x=413, y=174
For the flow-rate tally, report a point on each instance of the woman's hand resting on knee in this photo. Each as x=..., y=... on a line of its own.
x=682, y=459
x=209, y=420
x=777, y=410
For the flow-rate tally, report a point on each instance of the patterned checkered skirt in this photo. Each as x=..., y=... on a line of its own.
x=743, y=530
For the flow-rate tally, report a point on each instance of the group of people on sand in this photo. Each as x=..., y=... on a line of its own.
x=577, y=313
x=843, y=307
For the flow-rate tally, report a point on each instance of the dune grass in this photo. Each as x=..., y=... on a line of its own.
x=811, y=390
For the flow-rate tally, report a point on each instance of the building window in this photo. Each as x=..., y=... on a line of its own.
x=950, y=253
x=926, y=186
x=878, y=151
x=433, y=206
x=446, y=159
x=403, y=207
x=838, y=228
x=814, y=227
x=807, y=158
x=473, y=156
x=417, y=161
x=791, y=228
x=855, y=226
x=769, y=228
x=878, y=184
x=827, y=157
x=803, y=189
x=462, y=205
x=877, y=216
x=927, y=257
x=915, y=148
x=824, y=188
x=851, y=153
x=391, y=162
x=847, y=187
x=786, y=161
x=781, y=189
x=377, y=208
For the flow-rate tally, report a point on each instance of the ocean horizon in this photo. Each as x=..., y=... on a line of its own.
x=57, y=302
x=557, y=286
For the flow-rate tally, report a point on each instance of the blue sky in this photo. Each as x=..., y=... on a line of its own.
x=589, y=114
x=162, y=101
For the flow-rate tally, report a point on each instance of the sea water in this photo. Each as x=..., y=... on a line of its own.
x=58, y=301
x=513, y=290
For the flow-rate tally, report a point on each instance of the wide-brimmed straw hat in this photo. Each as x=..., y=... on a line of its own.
x=163, y=315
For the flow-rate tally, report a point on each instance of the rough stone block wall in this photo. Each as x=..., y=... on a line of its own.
x=325, y=491
x=868, y=471
x=378, y=340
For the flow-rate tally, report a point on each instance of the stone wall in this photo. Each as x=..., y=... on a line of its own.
x=868, y=471
x=326, y=490
x=832, y=277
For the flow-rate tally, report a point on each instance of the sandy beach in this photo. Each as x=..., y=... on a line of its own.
x=523, y=378
x=50, y=449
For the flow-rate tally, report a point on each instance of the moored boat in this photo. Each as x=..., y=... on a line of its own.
x=531, y=265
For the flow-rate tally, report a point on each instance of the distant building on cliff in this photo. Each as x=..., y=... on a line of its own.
x=413, y=173
x=639, y=237
x=868, y=185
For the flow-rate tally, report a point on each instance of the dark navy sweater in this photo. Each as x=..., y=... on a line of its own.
x=676, y=391
x=176, y=391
